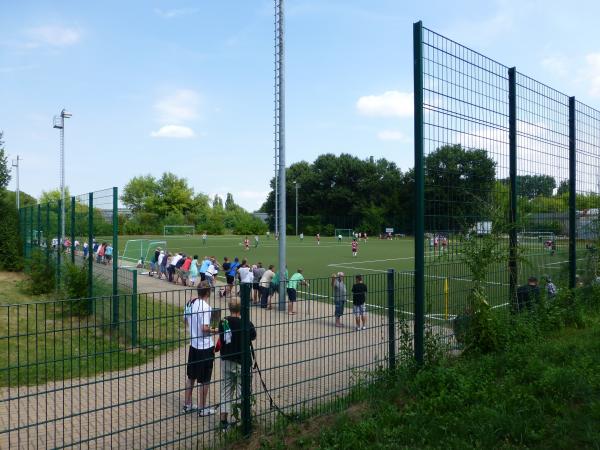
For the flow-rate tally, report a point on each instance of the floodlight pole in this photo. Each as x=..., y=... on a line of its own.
x=297, y=185
x=280, y=142
x=59, y=122
x=15, y=164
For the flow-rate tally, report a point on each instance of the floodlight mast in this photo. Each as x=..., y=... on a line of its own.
x=59, y=123
x=280, y=143
x=15, y=164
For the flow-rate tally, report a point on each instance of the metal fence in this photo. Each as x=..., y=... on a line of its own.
x=74, y=379
x=497, y=149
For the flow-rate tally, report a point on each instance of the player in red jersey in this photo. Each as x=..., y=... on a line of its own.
x=354, y=247
x=246, y=244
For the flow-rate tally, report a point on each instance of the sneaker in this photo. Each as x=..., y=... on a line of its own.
x=206, y=412
x=189, y=408
x=357, y=328
x=364, y=328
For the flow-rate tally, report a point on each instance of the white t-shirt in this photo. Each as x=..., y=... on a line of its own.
x=265, y=280
x=197, y=313
x=175, y=259
x=246, y=275
x=160, y=258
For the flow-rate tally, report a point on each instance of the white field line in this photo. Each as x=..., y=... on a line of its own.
x=562, y=262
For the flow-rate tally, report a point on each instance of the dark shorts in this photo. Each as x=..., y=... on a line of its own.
x=202, y=276
x=255, y=286
x=200, y=364
x=230, y=279
x=291, y=294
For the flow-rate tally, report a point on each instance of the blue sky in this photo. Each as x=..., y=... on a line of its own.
x=186, y=86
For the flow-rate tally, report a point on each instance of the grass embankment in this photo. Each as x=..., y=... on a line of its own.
x=40, y=341
x=542, y=392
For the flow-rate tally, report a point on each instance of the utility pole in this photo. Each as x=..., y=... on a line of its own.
x=15, y=164
x=297, y=185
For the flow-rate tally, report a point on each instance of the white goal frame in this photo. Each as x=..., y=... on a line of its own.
x=349, y=231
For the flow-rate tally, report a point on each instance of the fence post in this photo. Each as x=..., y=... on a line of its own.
x=59, y=244
x=39, y=227
x=134, y=303
x=391, y=306
x=115, y=242
x=48, y=234
x=73, y=230
x=572, y=195
x=91, y=251
x=246, y=360
x=512, y=146
x=115, y=290
x=419, y=307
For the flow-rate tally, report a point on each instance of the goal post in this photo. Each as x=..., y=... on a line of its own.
x=178, y=230
x=345, y=232
x=133, y=251
x=151, y=247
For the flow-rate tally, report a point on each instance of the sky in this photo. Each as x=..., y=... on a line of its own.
x=187, y=86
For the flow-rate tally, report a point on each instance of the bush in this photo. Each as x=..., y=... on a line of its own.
x=10, y=241
x=76, y=288
x=42, y=274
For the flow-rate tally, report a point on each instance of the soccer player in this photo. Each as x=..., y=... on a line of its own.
x=301, y=237
x=255, y=240
x=318, y=239
x=246, y=244
x=204, y=238
x=339, y=238
x=354, y=247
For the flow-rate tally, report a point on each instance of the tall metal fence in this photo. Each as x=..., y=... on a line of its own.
x=73, y=380
x=497, y=150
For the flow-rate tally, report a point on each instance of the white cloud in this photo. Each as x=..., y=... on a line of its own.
x=179, y=107
x=173, y=13
x=392, y=135
x=558, y=65
x=173, y=131
x=388, y=104
x=54, y=36
x=592, y=73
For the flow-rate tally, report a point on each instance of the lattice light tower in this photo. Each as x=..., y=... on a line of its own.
x=59, y=123
x=280, y=200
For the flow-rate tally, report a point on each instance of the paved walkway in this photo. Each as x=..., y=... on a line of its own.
x=304, y=359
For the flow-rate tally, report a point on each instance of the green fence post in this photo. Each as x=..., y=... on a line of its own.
x=59, y=243
x=419, y=307
x=39, y=226
x=512, y=147
x=391, y=305
x=246, y=361
x=90, y=261
x=30, y=230
x=134, y=306
x=115, y=243
x=73, y=230
x=48, y=234
x=572, y=195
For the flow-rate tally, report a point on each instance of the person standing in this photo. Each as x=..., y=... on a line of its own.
x=318, y=238
x=194, y=270
x=301, y=237
x=203, y=268
x=204, y=238
x=359, y=299
x=86, y=250
x=246, y=244
x=354, y=247
x=258, y=272
x=201, y=353
x=339, y=238
x=265, y=287
x=256, y=241
x=339, y=296
x=292, y=290
x=230, y=335
x=528, y=296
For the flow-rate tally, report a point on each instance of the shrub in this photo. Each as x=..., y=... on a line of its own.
x=10, y=241
x=75, y=288
x=42, y=274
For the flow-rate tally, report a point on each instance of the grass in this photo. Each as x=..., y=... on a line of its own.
x=540, y=393
x=40, y=341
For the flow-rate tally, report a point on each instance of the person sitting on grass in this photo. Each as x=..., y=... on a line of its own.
x=359, y=298
x=201, y=353
x=527, y=296
x=292, y=290
x=230, y=336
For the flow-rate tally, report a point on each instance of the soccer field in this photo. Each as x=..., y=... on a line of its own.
x=447, y=280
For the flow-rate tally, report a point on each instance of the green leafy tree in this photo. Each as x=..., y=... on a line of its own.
x=563, y=188
x=10, y=243
x=53, y=195
x=138, y=191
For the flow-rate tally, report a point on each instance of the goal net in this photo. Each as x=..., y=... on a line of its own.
x=536, y=240
x=138, y=251
x=345, y=232
x=178, y=230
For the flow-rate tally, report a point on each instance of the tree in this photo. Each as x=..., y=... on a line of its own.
x=217, y=203
x=457, y=182
x=10, y=242
x=4, y=167
x=563, y=188
x=53, y=195
x=138, y=191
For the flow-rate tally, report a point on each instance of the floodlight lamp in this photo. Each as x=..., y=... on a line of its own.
x=65, y=114
x=57, y=122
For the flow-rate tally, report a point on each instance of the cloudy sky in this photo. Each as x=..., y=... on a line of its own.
x=186, y=86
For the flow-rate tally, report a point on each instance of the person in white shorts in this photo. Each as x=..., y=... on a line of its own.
x=359, y=300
